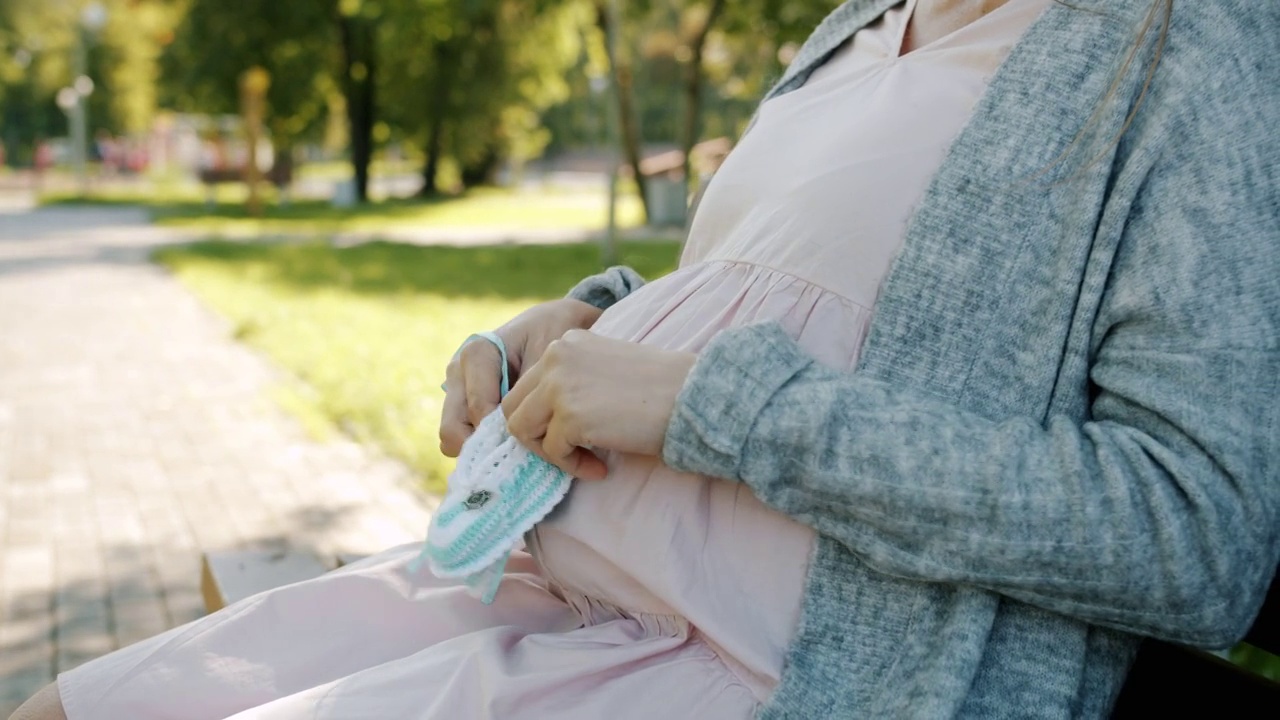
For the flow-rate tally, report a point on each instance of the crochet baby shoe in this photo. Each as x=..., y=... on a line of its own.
x=497, y=493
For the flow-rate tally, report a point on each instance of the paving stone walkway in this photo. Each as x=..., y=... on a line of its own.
x=135, y=434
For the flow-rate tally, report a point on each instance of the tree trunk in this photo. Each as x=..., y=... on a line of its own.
x=631, y=130
x=620, y=67
x=431, y=165
x=282, y=165
x=358, y=51
x=693, y=92
x=482, y=170
x=437, y=113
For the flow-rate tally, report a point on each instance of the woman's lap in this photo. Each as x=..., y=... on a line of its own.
x=292, y=638
x=596, y=672
x=373, y=640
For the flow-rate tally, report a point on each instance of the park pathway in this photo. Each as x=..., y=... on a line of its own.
x=135, y=434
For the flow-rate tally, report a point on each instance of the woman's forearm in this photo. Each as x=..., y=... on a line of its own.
x=1148, y=520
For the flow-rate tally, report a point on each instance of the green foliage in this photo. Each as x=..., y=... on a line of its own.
x=478, y=76
x=217, y=41
x=36, y=41
x=368, y=330
x=127, y=60
x=462, y=82
x=482, y=70
x=39, y=42
x=741, y=61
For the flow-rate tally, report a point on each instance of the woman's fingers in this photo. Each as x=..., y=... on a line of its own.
x=455, y=426
x=559, y=449
x=471, y=392
x=481, y=365
x=475, y=374
x=528, y=382
x=589, y=467
x=528, y=415
x=536, y=416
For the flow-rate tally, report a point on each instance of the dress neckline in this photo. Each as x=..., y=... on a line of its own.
x=908, y=15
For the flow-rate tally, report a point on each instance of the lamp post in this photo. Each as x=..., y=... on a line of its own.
x=92, y=20
x=70, y=102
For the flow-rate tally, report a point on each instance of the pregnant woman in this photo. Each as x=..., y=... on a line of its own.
x=969, y=379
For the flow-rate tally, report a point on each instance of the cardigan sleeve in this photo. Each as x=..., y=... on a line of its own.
x=608, y=287
x=1160, y=515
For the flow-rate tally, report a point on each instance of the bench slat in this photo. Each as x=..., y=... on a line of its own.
x=232, y=575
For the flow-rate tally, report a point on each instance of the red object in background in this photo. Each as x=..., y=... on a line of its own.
x=109, y=152
x=44, y=156
x=135, y=160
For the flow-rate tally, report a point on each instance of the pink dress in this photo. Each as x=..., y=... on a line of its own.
x=653, y=593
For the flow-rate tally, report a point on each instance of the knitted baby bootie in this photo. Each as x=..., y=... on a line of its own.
x=497, y=493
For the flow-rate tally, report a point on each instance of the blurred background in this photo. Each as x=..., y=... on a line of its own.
x=241, y=239
x=356, y=101
x=333, y=124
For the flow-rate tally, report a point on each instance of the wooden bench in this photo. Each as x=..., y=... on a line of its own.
x=280, y=174
x=233, y=575
x=1188, y=681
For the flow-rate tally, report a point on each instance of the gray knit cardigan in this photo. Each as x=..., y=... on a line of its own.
x=1064, y=430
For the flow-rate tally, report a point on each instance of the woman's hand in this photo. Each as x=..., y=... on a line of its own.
x=473, y=377
x=593, y=392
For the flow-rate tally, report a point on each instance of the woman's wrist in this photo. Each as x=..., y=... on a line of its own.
x=724, y=393
x=585, y=314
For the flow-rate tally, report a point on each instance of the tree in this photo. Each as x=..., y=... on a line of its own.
x=709, y=13
x=470, y=78
x=621, y=68
x=216, y=42
x=126, y=57
x=746, y=48
x=697, y=53
x=357, y=24
x=38, y=41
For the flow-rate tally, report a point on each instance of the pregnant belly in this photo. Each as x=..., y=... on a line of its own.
x=652, y=540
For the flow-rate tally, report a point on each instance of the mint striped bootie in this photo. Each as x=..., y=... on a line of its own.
x=497, y=493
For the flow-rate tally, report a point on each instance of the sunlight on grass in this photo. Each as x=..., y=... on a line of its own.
x=367, y=330
x=341, y=169
x=185, y=207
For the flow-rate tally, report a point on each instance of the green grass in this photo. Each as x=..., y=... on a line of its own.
x=367, y=330
x=1258, y=661
x=550, y=209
